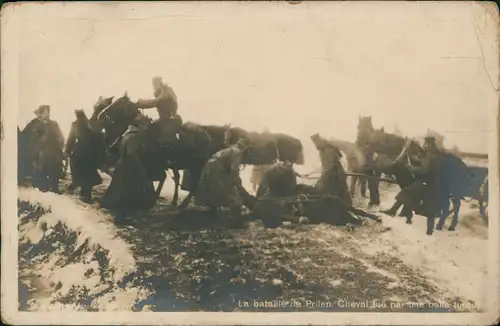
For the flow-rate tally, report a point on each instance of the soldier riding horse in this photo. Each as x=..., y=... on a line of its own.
x=188, y=148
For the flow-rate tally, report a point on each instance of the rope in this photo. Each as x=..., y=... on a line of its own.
x=293, y=199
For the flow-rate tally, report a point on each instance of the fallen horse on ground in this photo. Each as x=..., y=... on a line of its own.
x=281, y=199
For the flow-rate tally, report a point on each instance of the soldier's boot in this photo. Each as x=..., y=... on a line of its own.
x=440, y=223
x=454, y=221
x=407, y=212
x=86, y=194
x=430, y=225
x=374, y=192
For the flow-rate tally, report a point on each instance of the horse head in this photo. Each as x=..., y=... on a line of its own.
x=122, y=110
x=386, y=143
x=365, y=126
x=410, y=153
x=377, y=139
x=101, y=104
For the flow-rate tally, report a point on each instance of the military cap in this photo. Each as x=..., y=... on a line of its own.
x=41, y=109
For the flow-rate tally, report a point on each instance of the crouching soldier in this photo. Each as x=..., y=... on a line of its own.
x=333, y=180
x=220, y=183
x=279, y=182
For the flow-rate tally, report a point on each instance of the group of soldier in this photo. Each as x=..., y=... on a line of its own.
x=220, y=183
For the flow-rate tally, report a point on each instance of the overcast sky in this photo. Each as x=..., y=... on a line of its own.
x=299, y=69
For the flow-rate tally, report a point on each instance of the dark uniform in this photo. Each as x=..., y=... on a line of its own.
x=27, y=150
x=220, y=183
x=278, y=180
x=46, y=145
x=130, y=187
x=85, y=149
x=333, y=178
x=426, y=187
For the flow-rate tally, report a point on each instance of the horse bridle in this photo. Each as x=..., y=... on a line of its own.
x=404, y=152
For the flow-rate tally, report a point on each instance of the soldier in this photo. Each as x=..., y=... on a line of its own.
x=165, y=100
x=85, y=149
x=278, y=180
x=333, y=178
x=27, y=138
x=169, y=123
x=426, y=188
x=47, y=145
x=220, y=183
x=130, y=187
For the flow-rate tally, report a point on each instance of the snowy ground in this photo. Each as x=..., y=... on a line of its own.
x=75, y=257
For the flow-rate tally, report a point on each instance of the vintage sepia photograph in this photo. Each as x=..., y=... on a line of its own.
x=250, y=162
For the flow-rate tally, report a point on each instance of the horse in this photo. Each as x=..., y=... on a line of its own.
x=207, y=140
x=454, y=173
x=365, y=129
x=387, y=143
x=265, y=148
x=280, y=197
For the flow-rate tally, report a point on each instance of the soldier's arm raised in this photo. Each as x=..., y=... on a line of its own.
x=152, y=103
x=147, y=104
